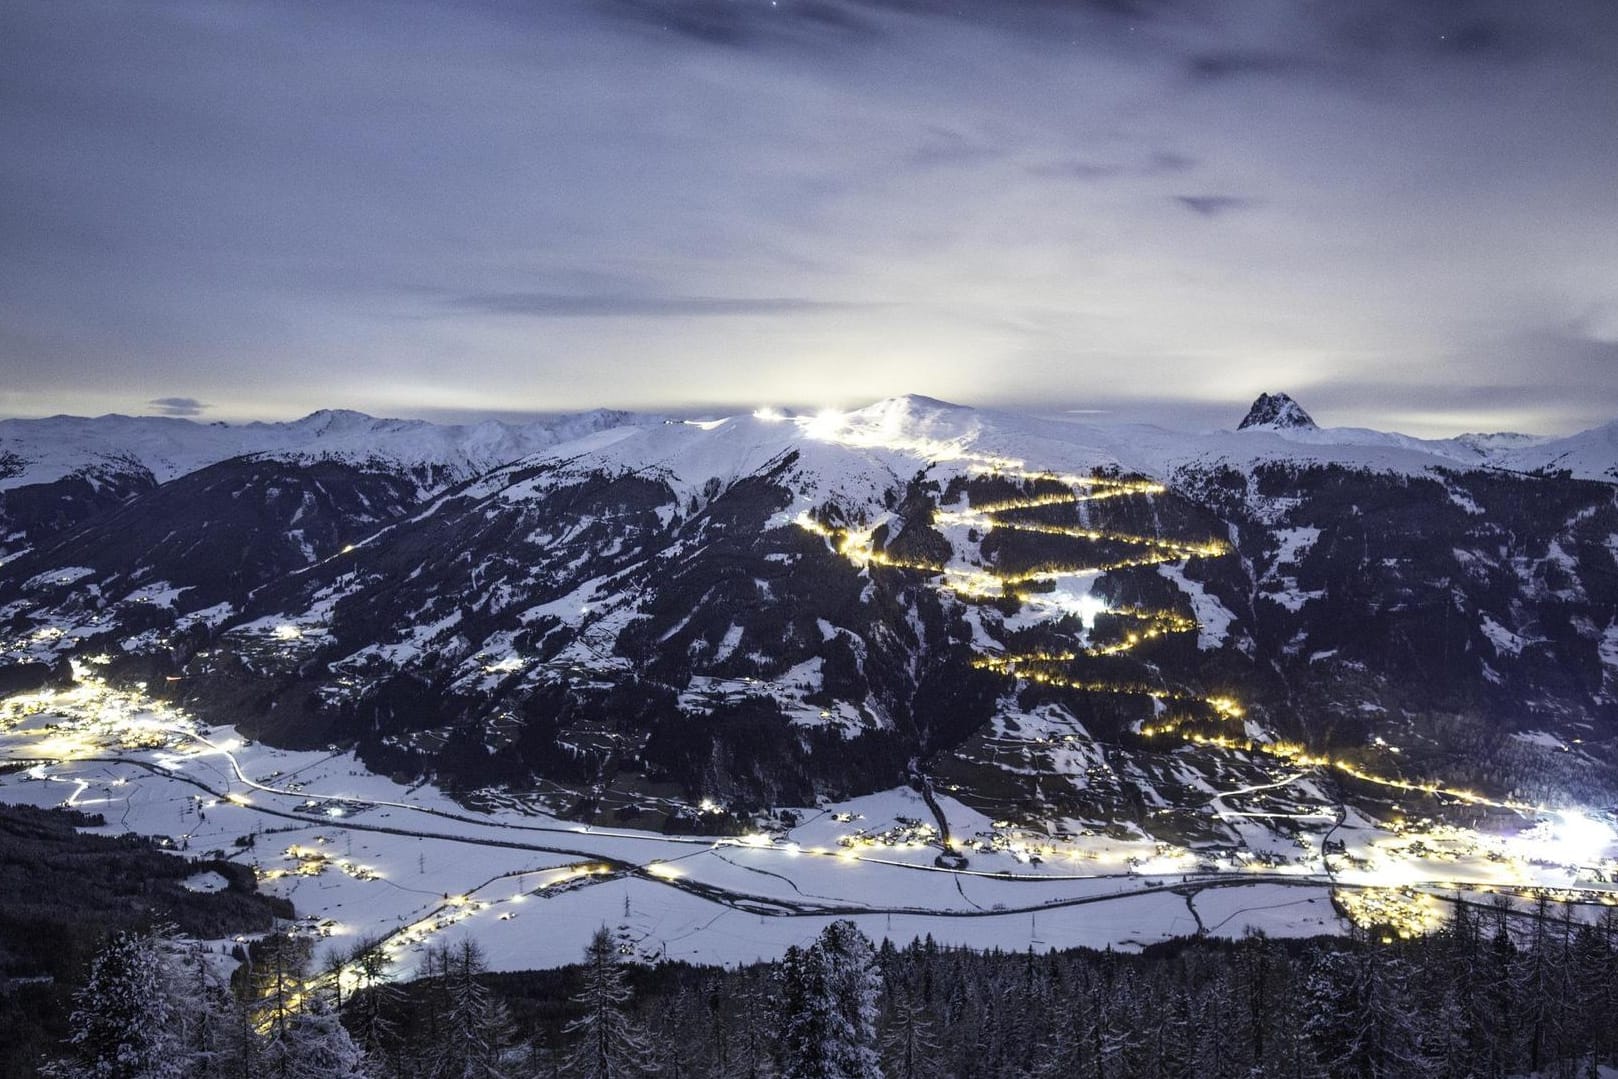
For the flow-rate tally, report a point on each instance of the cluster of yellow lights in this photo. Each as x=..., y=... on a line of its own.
x=988, y=516
x=112, y=717
x=311, y=862
x=91, y=716
x=858, y=546
x=1396, y=912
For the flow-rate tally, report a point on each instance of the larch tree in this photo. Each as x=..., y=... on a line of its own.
x=909, y=1046
x=610, y=1045
x=477, y=1027
x=373, y=999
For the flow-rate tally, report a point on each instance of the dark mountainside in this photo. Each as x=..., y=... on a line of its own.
x=604, y=642
x=1275, y=410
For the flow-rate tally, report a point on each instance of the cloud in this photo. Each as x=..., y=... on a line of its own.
x=557, y=305
x=1160, y=163
x=1213, y=66
x=1544, y=381
x=268, y=202
x=1165, y=161
x=744, y=23
x=177, y=406
x=731, y=24
x=1077, y=169
x=943, y=148
x=1213, y=205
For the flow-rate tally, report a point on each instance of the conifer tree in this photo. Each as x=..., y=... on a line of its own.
x=1534, y=981
x=610, y=1045
x=204, y=1026
x=314, y=1044
x=374, y=999
x=909, y=1048
x=830, y=992
x=1362, y=1023
x=277, y=973
x=477, y=1028
x=749, y=1056
x=122, y=1022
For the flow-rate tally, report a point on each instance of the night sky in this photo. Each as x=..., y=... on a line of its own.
x=1402, y=212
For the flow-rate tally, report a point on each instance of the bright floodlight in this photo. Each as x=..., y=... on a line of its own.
x=1579, y=839
x=1087, y=607
x=827, y=425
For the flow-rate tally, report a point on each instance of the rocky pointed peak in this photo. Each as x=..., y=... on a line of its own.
x=1276, y=412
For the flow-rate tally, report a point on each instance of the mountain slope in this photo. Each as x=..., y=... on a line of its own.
x=63, y=470
x=1060, y=621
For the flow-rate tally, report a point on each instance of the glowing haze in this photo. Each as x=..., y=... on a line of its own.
x=1400, y=211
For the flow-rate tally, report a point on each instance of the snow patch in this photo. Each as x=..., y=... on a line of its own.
x=1213, y=617
x=208, y=881
x=1506, y=643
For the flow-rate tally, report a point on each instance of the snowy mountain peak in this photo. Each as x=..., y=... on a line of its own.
x=921, y=402
x=162, y=448
x=1275, y=412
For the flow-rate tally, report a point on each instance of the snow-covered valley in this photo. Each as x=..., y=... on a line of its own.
x=1005, y=679
x=365, y=859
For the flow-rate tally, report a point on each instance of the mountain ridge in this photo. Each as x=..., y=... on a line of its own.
x=1275, y=410
x=49, y=449
x=766, y=608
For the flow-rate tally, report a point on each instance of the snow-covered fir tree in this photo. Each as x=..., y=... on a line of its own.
x=750, y=1056
x=157, y=1007
x=476, y=1028
x=315, y=1045
x=205, y=1021
x=830, y=992
x=1363, y=1025
x=909, y=1047
x=123, y=1017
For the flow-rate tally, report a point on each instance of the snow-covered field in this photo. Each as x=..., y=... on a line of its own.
x=363, y=857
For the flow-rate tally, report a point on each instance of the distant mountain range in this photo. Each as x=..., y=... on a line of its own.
x=623, y=617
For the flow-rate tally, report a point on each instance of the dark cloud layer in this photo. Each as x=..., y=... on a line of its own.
x=550, y=305
x=177, y=406
x=1390, y=207
x=1213, y=205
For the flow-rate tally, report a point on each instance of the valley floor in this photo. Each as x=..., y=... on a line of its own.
x=362, y=857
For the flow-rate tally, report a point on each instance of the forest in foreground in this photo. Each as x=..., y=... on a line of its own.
x=1497, y=992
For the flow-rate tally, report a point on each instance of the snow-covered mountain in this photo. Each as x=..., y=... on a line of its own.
x=1591, y=454
x=46, y=450
x=57, y=472
x=43, y=451
x=1277, y=411
x=627, y=616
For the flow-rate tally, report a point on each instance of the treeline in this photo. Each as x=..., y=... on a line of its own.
x=63, y=891
x=1497, y=992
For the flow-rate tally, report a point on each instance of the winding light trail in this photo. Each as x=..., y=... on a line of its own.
x=1047, y=668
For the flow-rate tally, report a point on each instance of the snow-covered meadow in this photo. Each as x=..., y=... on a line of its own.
x=364, y=858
